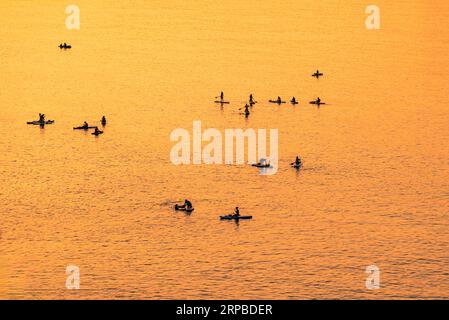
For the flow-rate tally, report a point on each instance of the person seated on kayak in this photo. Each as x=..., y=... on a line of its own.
x=97, y=131
x=297, y=161
x=293, y=100
x=41, y=117
x=188, y=204
x=279, y=100
x=85, y=125
x=236, y=212
x=222, y=96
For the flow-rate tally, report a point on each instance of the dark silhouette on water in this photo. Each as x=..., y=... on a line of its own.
x=298, y=163
x=103, y=121
x=85, y=126
x=187, y=206
x=65, y=46
x=221, y=101
x=235, y=216
x=317, y=74
x=251, y=100
x=41, y=121
x=246, y=110
x=97, y=132
x=277, y=101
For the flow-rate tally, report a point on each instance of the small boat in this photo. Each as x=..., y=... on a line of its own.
x=232, y=217
x=222, y=102
x=67, y=46
x=294, y=102
x=276, y=101
x=83, y=128
x=317, y=75
x=317, y=103
x=189, y=210
x=41, y=123
x=97, y=133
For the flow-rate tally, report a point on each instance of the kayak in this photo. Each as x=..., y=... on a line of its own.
x=83, y=128
x=317, y=103
x=37, y=123
x=189, y=210
x=222, y=102
x=258, y=165
x=229, y=217
x=97, y=133
x=317, y=75
x=294, y=102
x=276, y=101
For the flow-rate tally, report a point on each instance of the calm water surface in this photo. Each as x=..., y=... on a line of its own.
x=373, y=190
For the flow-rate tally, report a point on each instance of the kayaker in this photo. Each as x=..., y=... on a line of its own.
x=293, y=100
x=103, y=120
x=85, y=125
x=279, y=100
x=236, y=212
x=297, y=161
x=41, y=117
x=97, y=131
x=188, y=204
x=246, y=109
x=318, y=100
x=222, y=96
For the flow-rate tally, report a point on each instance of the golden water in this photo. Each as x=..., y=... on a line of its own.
x=373, y=190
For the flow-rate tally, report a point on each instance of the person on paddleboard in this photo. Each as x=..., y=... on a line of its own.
x=251, y=100
x=103, y=120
